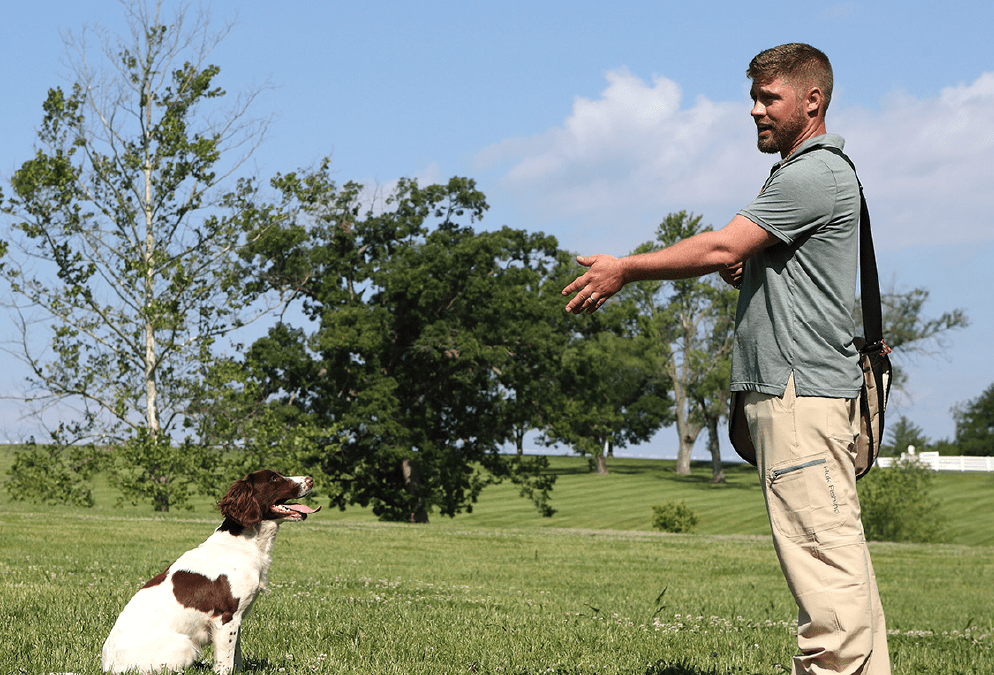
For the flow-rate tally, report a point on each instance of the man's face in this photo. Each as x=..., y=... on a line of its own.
x=779, y=115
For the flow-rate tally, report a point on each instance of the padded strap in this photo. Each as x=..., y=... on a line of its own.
x=869, y=281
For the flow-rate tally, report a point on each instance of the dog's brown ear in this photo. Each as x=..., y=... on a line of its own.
x=240, y=504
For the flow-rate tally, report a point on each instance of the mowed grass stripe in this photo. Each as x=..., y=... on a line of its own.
x=623, y=499
x=966, y=500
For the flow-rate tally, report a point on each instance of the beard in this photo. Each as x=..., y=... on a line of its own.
x=783, y=135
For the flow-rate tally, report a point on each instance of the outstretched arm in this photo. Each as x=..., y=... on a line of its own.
x=701, y=254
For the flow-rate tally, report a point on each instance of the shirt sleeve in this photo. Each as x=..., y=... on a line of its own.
x=797, y=199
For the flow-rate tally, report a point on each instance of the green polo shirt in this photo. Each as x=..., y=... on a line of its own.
x=795, y=309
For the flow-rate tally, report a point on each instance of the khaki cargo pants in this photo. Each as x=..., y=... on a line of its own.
x=807, y=472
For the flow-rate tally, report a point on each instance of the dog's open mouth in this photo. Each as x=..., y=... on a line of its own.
x=293, y=511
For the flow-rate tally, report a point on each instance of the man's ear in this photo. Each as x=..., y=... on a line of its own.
x=814, y=102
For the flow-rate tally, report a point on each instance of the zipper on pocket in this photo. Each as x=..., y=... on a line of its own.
x=790, y=469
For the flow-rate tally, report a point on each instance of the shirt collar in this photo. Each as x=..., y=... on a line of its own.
x=829, y=140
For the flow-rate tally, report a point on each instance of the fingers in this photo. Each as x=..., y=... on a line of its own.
x=575, y=306
x=595, y=301
x=587, y=299
x=727, y=276
x=580, y=281
x=577, y=284
x=733, y=274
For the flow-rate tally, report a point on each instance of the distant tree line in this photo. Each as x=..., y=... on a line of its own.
x=974, y=431
x=394, y=350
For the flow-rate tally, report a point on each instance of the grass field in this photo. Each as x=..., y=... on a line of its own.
x=623, y=500
x=501, y=590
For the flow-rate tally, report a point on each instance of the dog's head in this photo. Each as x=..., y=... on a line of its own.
x=263, y=495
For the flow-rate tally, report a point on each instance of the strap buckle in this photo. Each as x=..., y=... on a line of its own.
x=876, y=348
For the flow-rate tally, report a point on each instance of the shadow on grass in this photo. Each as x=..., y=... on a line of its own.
x=733, y=480
x=658, y=668
x=634, y=466
x=576, y=465
x=249, y=665
x=578, y=470
x=667, y=668
x=737, y=476
x=265, y=665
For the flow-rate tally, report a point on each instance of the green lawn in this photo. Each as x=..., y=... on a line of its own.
x=350, y=597
x=623, y=500
x=502, y=590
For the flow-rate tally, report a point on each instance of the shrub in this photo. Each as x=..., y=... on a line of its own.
x=674, y=517
x=897, y=505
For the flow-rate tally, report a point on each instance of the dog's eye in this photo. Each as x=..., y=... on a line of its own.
x=274, y=478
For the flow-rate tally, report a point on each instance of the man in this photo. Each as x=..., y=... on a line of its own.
x=793, y=254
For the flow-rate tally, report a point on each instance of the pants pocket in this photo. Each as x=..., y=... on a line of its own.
x=802, y=498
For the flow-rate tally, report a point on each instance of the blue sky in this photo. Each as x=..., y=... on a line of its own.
x=592, y=121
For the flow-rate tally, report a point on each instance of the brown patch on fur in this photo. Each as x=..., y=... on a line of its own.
x=210, y=597
x=157, y=579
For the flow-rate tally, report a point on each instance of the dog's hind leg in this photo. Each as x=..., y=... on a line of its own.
x=172, y=653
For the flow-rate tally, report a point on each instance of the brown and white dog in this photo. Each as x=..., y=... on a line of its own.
x=205, y=595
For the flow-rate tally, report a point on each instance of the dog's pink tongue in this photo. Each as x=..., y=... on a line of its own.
x=302, y=508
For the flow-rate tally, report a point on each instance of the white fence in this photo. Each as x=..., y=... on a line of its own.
x=937, y=462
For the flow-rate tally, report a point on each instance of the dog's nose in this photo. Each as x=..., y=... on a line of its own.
x=308, y=482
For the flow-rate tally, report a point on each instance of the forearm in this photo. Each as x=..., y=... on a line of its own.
x=703, y=253
x=695, y=256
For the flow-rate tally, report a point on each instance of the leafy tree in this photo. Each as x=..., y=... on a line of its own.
x=240, y=419
x=415, y=350
x=975, y=425
x=542, y=331
x=612, y=391
x=692, y=321
x=897, y=504
x=53, y=473
x=125, y=237
x=902, y=433
x=908, y=331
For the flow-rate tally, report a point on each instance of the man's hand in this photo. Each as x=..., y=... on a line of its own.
x=604, y=278
x=733, y=274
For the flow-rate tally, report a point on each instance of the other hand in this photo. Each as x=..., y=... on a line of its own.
x=733, y=274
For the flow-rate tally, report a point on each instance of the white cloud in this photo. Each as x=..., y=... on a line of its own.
x=621, y=162
x=928, y=164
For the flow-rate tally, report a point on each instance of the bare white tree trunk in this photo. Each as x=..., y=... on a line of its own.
x=151, y=404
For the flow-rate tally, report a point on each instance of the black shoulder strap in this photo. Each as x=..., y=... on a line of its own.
x=869, y=282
